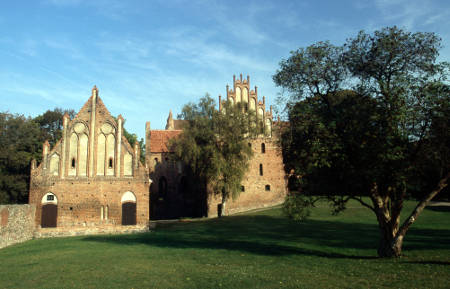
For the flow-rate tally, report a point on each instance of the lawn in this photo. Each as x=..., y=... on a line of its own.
x=255, y=250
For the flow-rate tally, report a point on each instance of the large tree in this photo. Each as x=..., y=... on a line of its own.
x=215, y=145
x=51, y=124
x=363, y=117
x=20, y=143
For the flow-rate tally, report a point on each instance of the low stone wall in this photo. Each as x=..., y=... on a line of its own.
x=92, y=230
x=17, y=224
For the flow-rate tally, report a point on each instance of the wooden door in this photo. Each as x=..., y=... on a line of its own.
x=49, y=215
x=129, y=213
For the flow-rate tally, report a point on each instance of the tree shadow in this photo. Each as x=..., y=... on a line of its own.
x=438, y=208
x=276, y=236
x=445, y=263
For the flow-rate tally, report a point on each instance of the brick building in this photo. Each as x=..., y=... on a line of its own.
x=92, y=178
x=264, y=184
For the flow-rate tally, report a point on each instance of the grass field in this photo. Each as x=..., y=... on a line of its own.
x=256, y=250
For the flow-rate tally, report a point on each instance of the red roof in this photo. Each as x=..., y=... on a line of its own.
x=159, y=139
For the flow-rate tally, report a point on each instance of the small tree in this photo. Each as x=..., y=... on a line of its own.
x=362, y=117
x=215, y=145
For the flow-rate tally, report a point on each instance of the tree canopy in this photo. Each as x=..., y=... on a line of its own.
x=365, y=119
x=214, y=144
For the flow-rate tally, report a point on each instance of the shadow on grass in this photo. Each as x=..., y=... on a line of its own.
x=431, y=262
x=277, y=236
x=438, y=208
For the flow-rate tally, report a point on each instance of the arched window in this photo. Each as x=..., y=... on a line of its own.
x=73, y=163
x=110, y=163
x=263, y=148
x=260, y=169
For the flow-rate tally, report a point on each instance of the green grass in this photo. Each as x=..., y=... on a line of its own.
x=257, y=250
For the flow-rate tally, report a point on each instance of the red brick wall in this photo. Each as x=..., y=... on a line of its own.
x=255, y=195
x=80, y=201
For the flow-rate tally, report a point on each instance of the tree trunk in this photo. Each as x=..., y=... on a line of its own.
x=222, y=207
x=391, y=235
x=389, y=246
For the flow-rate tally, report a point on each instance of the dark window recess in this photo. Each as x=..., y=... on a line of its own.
x=260, y=169
x=242, y=189
x=156, y=160
x=267, y=187
x=249, y=145
x=50, y=197
x=263, y=148
x=166, y=159
x=73, y=163
x=110, y=163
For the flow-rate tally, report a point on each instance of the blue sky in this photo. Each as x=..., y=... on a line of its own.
x=147, y=57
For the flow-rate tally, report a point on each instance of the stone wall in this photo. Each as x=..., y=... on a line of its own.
x=16, y=224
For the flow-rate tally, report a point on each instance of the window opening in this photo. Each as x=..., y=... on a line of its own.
x=242, y=189
x=260, y=169
x=110, y=163
x=73, y=163
x=267, y=187
x=50, y=197
x=263, y=148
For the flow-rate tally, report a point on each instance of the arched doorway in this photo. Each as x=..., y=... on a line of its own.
x=128, y=209
x=49, y=214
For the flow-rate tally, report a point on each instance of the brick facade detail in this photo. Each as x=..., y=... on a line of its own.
x=89, y=174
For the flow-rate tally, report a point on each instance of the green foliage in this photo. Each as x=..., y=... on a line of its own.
x=215, y=144
x=360, y=113
x=20, y=140
x=51, y=124
x=297, y=207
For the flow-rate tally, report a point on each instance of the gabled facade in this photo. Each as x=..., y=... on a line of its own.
x=92, y=178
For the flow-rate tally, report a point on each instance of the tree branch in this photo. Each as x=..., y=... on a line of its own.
x=364, y=203
x=419, y=208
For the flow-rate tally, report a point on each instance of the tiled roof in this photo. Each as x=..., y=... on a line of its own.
x=159, y=139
